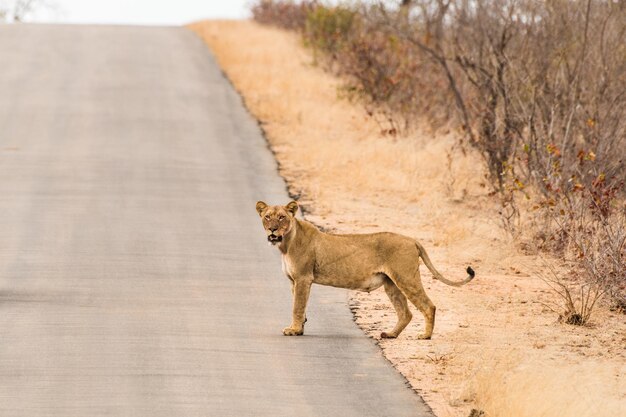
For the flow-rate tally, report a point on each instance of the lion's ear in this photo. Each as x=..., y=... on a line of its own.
x=260, y=206
x=292, y=208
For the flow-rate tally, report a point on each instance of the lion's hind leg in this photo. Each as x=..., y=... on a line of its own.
x=423, y=304
x=400, y=305
x=428, y=310
x=414, y=291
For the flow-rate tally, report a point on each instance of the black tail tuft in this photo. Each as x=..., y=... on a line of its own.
x=471, y=272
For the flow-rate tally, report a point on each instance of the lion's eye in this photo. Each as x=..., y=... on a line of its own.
x=267, y=217
x=281, y=218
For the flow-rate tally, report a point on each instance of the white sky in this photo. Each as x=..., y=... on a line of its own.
x=142, y=12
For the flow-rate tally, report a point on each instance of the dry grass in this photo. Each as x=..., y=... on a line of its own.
x=515, y=388
x=352, y=179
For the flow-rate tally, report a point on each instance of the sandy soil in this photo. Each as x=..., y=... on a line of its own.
x=496, y=346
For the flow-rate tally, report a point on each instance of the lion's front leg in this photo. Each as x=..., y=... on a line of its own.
x=293, y=293
x=301, y=291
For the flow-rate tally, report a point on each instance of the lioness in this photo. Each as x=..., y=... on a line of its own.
x=358, y=262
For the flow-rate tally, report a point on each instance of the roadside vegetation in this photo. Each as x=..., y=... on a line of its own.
x=537, y=88
x=498, y=346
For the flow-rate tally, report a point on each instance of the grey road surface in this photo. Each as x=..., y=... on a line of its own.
x=135, y=279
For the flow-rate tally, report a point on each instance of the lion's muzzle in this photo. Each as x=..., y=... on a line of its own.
x=273, y=239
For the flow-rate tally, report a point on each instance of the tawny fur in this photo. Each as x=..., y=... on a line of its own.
x=361, y=262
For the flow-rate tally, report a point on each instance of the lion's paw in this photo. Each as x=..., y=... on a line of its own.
x=290, y=331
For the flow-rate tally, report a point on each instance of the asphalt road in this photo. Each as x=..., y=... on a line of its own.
x=135, y=279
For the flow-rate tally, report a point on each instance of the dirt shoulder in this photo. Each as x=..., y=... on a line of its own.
x=496, y=346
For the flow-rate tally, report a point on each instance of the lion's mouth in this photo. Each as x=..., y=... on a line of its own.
x=273, y=239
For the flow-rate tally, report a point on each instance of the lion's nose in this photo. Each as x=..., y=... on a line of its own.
x=273, y=229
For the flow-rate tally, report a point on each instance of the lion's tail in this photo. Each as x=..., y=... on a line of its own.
x=437, y=275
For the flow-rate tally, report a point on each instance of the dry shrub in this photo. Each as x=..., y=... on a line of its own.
x=577, y=300
x=283, y=13
x=395, y=80
x=327, y=29
x=589, y=231
x=541, y=86
x=514, y=388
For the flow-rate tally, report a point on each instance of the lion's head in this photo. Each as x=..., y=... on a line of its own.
x=277, y=220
